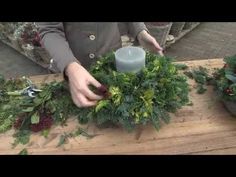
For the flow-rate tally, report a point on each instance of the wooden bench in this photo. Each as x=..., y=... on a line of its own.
x=204, y=128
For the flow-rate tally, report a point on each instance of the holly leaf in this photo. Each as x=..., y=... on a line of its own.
x=231, y=77
x=35, y=118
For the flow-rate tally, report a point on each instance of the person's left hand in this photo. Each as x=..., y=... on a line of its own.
x=149, y=42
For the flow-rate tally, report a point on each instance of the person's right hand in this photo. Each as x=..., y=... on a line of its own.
x=79, y=81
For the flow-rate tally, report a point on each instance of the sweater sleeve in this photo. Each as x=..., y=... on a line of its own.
x=132, y=29
x=54, y=41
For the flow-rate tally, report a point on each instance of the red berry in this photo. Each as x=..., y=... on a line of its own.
x=229, y=91
x=45, y=122
x=102, y=89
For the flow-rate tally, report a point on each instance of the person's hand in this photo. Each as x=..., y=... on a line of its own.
x=149, y=42
x=79, y=81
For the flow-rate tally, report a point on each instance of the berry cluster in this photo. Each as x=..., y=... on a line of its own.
x=103, y=91
x=228, y=91
x=45, y=122
x=31, y=38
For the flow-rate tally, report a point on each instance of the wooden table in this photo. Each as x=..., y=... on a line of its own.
x=204, y=128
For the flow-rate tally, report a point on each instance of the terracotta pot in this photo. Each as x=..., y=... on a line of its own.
x=230, y=106
x=159, y=30
x=177, y=28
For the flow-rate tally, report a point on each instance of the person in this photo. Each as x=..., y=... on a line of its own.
x=74, y=46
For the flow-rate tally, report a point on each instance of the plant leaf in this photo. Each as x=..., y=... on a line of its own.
x=35, y=118
x=29, y=109
x=38, y=101
x=201, y=89
x=82, y=132
x=45, y=133
x=21, y=137
x=101, y=104
x=231, y=77
x=181, y=66
x=62, y=140
x=23, y=152
x=149, y=94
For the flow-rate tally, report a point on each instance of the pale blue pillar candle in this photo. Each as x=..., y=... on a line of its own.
x=130, y=59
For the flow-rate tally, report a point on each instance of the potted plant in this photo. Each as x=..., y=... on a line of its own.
x=14, y=43
x=27, y=34
x=188, y=25
x=225, y=84
x=177, y=28
x=28, y=50
x=39, y=51
x=160, y=30
x=7, y=32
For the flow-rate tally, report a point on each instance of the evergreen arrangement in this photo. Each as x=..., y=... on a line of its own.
x=129, y=99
